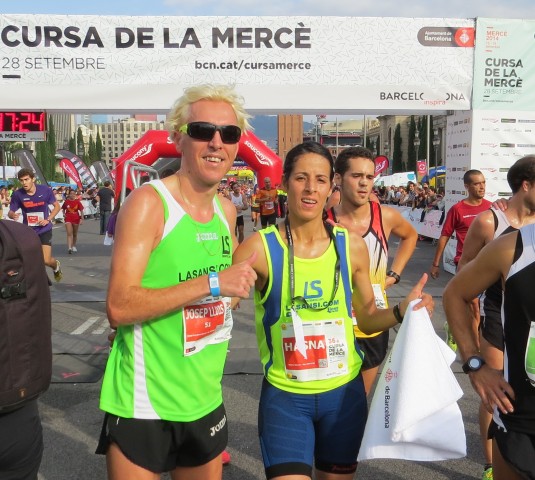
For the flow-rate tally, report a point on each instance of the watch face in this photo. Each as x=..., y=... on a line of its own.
x=474, y=363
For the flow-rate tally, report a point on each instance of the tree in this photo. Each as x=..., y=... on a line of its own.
x=98, y=146
x=80, y=148
x=91, y=153
x=397, y=165
x=45, y=153
x=72, y=144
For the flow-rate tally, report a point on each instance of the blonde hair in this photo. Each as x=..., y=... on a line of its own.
x=179, y=113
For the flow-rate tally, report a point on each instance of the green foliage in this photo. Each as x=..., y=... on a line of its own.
x=92, y=155
x=80, y=147
x=98, y=146
x=45, y=153
x=397, y=165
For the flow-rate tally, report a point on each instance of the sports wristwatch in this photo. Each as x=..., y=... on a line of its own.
x=473, y=364
x=394, y=275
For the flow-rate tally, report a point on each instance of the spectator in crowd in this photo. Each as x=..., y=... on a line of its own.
x=105, y=197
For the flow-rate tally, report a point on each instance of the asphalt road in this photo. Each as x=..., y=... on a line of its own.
x=70, y=413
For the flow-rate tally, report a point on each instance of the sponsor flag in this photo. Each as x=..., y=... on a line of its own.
x=102, y=171
x=71, y=172
x=421, y=167
x=86, y=177
x=381, y=164
x=27, y=160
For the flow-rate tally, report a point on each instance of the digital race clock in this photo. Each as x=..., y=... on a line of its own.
x=22, y=126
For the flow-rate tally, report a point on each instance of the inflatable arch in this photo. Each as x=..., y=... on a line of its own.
x=156, y=145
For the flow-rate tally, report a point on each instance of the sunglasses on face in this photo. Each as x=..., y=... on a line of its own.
x=205, y=131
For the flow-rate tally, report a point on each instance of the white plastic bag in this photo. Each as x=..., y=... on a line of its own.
x=414, y=413
x=108, y=240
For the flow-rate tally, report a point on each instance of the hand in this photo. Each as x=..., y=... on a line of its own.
x=435, y=271
x=493, y=389
x=501, y=204
x=237, y=280
x=389, y=282
x=426, y=300
x=111, y=336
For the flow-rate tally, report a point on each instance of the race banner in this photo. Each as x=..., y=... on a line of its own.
x=26, y=159
x=421, y=168
x=67, y=166
x=86, y=177
x=286, y=64
x=504, y=65
x=102, y=172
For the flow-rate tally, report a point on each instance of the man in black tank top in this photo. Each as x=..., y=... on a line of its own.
x=508, y=393
x=485, y=227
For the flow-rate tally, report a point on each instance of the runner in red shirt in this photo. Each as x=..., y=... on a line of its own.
x=73, y=213
x=458, y=220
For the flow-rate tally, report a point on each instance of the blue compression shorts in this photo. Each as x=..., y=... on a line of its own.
x=297, y=430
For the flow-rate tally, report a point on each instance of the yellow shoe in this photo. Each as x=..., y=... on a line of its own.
x=58, y=275
x=487, y=474
x=449, y=338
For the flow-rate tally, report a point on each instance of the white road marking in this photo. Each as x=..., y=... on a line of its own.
x=82, y=328
x=104, y=326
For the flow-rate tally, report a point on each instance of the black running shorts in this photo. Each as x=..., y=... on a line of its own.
x=374, y=349
x=492, y=330
x=517, y=449
x=161, y=446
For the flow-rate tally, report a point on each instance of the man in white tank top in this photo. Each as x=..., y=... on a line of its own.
x=239, y=200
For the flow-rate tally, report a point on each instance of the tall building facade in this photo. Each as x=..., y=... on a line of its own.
x=289, y=133
x=119, y=135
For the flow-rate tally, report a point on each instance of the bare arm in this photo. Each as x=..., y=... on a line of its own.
x=138, y=232
x=480, y=233
x=396, y=224
x=441, y=245
x=54, y=212
x=244, y=251
x=370, y=318
x=491, y=264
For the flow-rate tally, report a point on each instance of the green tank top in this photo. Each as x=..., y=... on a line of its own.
x=333, y=357
x=171, y=367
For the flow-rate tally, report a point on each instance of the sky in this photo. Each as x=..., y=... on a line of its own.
x=357, y=8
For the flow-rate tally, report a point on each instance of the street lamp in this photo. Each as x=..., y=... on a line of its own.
x=374, y=147
x=436, y=143
x=386, y=149
x=416, y=143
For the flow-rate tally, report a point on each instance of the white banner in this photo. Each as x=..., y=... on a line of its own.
x=504, y=71
x=328, y=64
x=500, y=139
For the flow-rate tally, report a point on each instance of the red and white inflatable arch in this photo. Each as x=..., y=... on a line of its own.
x=156, y=144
